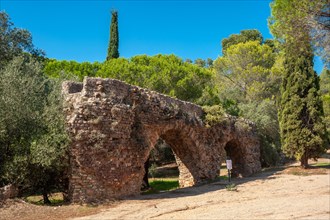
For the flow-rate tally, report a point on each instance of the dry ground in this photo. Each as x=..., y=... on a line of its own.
x=284, y=193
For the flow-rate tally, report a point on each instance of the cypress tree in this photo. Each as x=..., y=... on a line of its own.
x=114, y=37
x=303, y=133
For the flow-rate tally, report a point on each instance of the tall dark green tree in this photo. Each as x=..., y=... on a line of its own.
x=114, y=37
x=303, y=134
x=301, y=115
x=325, y=92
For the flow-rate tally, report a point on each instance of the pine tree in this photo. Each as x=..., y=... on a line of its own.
x=303, y=133
x=114, y=37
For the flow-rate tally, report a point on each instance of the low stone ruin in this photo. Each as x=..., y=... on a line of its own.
x=114, y=126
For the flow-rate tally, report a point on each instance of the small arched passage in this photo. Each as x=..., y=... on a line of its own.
x=185, y=151
x=162, y=156
x=235, y=152
x=182, y=148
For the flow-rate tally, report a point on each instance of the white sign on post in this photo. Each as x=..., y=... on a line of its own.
x=229, y=164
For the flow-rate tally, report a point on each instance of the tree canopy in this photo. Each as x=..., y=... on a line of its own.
x=14, y=41
x=247, y=66
x=248, y=77
x=33, y=140
x=242, y=37
x=166, y=74
x=300, y=21
x=325, y=92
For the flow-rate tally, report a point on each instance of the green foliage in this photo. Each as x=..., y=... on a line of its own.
x=322, y=165
x=56, y=199
x=188, y=60
x=48, y=173
x=14, y=41
x=200, y=62
x=213, y=115
x=152, y=170
x=209, y=62
x=166, y=74
x=164, y=184
x=32, y=135
x=247, y=67
x=249, y=75
x=325, y=92
x=242, y=37
x=231, y=187
x=325, y=82
x=22, y=92
x=162, y=153
x=299, y=21
x=56, y=69
x=287, y=23
x=113, y=51
x=264, y=115
x=301, y=112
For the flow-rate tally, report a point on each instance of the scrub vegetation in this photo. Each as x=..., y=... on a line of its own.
x=268, y=81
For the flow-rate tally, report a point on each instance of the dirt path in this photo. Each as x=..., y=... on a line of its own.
x=269, y=195
x=289, y=193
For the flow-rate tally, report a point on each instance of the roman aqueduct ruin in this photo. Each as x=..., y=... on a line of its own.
x=114, y=126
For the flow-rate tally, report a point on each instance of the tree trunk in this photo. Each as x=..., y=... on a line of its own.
x=45, y=197
x=304, y=161
x=145, y=183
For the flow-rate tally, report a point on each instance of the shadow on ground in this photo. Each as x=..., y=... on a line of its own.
x=268, y=173
x=208, y=187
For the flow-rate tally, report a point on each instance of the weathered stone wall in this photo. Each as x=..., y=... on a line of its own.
x=114, y=126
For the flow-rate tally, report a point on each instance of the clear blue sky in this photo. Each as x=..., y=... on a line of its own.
x=79, y=30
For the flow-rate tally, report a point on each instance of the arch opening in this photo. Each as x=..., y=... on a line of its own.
x=235, y=152
x=185, y=155
x=160, y=167
x=182, y=164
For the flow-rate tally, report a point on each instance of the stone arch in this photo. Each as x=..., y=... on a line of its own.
x=186, y=145
x=113, y=127
x=184, y=157
x=235, y=152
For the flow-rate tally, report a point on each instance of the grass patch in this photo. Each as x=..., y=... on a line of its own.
x=55, y=199
x=315, y=169
x=298, y=173
x=225, y=177
x=231, y=187
x=160, y=185
x=321, y=165
x=164, y=184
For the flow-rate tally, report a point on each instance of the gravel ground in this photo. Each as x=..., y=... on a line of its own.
x=266, y=196
x=286, y=193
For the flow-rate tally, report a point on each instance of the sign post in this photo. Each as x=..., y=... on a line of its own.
x=229, y=167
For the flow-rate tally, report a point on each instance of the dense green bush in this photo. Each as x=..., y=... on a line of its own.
x=33, y=140
x=213, y=115
x=166, y=74
x=56, y=69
